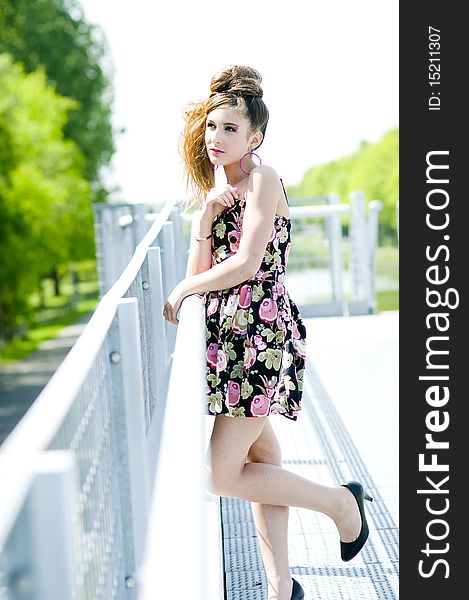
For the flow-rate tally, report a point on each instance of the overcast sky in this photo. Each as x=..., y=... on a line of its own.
x=329, y=68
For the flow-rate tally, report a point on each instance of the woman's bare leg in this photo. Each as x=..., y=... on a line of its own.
x=272, y=521
x=232, y=477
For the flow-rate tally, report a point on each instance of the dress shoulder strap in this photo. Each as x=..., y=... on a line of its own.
x=286, y=197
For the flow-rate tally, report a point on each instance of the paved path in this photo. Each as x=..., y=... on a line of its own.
x=348, y=429
x=22, y=381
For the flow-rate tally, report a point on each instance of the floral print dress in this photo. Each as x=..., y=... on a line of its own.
x=255, y=336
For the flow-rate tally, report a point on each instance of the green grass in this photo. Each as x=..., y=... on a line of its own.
x=313, y=248
x=387, y=257
x=51, y=313
x=387, y=300
x=387, y=262
x=18, y=348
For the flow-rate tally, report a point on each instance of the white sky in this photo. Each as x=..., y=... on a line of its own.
x=329, y=69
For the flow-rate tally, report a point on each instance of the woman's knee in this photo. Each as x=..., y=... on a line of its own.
x=229, y=446
x=221, y=482
x=224, y=474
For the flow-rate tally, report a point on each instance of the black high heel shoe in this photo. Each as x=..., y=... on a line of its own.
x=349, y=550
x=297, y=591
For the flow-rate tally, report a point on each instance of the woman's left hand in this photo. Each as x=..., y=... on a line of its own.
x=172, y=306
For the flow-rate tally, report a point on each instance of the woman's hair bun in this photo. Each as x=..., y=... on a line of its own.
x=238, y=80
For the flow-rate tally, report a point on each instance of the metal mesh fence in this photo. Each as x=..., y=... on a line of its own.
x=91, y=430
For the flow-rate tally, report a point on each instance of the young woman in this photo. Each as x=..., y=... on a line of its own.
x=256, y=339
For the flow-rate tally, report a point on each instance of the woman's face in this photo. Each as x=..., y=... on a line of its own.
x=227, y=130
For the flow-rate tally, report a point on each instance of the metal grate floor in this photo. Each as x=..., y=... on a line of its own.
x=319, y=447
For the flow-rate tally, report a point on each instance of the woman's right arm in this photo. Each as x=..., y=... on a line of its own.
x=200, y=253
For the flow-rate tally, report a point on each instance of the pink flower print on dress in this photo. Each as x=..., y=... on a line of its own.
x=230, y=306
x=245, y=296
x=280, y=288
x=287, y=252
x=260, y=406
x=270, y=386
x=233, y=238
x=272, y=234
x=259, y=342
x=300, y=347
x=277, y=409
x=268, y=310
x=260, y=275
x=250, y=354
x=240, y=323
x=281, y=325
x=294, y=328
x=234, y=392
x=212, y=307
x=212, y=351
x=221, y=360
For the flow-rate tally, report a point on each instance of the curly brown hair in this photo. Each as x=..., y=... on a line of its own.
x=235, y=86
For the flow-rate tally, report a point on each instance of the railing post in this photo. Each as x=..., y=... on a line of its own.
x=169, y=275
x=359, y=256
x=116, y=244
x=101, y=233
x=156, y=292
x=53, y=516
x=134, y=405
x=188, y=221
x=373, y=229
x=157, y=353
x=179, y=244
x=335, y=254
x=139, y=223
x=180, y=478
x=147, y=313
x=397, y=222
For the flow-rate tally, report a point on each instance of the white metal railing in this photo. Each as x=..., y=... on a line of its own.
x=77, y=472
x=104, y=473
x=176, y=541
x=363, y=239
x=185, y=519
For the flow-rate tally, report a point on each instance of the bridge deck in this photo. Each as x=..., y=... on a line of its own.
x=347, y=430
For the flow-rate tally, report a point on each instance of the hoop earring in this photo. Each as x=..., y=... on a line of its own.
x=241, y=159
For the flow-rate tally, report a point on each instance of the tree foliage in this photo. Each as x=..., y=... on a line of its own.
x=55, y=135
x=54, y=34
x=45, y=211
x=373, y=168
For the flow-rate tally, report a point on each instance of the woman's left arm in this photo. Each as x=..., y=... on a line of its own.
x=258, y=218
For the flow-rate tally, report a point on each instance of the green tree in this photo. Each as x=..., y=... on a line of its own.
x=53, y=33
x=373, y=168
x=45, y=211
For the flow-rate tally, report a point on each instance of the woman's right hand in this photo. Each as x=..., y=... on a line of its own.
x=220, y=197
